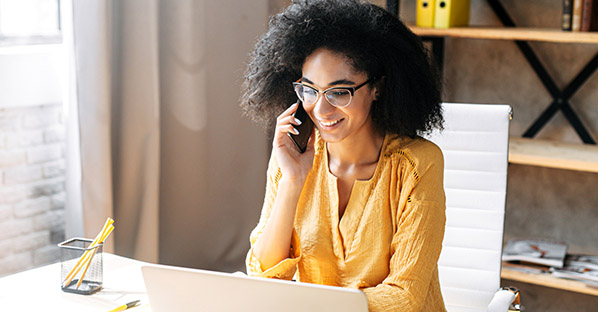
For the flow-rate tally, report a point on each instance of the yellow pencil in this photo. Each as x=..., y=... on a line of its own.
x=92, y=255
x=126, y=306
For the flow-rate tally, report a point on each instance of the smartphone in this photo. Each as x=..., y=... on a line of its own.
x=305, y=128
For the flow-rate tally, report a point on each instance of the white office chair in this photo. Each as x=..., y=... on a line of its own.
x=475, y=146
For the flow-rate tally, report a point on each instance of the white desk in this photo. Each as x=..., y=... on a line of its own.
x=39, y=289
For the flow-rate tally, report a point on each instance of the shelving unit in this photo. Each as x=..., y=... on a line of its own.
x=521, y=36
x=525, y=150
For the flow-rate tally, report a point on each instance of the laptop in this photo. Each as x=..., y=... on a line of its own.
x=182, y=289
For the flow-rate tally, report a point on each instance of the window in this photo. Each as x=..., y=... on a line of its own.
x=29, y=22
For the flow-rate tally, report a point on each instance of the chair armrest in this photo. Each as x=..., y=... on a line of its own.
x=503, y=299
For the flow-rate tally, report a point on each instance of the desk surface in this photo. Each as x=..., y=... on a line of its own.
x=39, y=289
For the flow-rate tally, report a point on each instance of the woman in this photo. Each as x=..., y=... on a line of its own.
x=363, y=206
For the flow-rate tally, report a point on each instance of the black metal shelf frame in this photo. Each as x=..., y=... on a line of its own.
x=560, y=98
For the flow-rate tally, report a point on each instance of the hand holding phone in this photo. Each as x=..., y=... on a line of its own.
x=305, y=128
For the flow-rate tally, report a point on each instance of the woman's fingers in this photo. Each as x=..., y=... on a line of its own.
x=287, y=112
x=289, y=129
x=289, y=122
x=286, y=121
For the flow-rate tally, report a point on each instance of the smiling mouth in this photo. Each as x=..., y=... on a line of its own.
x=330, y=123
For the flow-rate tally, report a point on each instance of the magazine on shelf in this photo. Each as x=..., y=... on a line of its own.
x=529, y=268
x=538, y=251
x=582, y=260
x=578, y=267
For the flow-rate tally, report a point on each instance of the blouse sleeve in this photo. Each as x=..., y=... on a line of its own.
x=417, y=242
x=287, y=267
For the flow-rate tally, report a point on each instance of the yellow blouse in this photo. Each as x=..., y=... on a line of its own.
x=388, y=241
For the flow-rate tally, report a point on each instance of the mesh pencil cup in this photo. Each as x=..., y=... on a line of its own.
x=73, y=266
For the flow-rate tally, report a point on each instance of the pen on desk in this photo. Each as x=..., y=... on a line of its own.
x=123, y=307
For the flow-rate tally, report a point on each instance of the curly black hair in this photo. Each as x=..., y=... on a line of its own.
x=373, y=40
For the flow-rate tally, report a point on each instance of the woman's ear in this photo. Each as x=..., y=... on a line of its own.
x=377, y=90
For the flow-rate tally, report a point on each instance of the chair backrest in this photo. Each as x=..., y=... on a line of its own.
x=475, y=147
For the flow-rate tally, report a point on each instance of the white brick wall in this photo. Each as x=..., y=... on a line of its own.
x=32, y=186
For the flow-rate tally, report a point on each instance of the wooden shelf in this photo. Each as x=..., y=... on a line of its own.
x=509, y=33
x=547, y=280
x=581, y=157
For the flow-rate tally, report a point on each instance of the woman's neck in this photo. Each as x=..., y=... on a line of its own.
x=360, y=149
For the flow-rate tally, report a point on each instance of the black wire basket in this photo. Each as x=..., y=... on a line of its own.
x=92, y=270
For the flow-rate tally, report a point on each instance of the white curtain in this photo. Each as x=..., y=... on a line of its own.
x=163, y=148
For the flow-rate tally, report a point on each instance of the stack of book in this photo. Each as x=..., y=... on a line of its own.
x=580, y=15
x=547, y=256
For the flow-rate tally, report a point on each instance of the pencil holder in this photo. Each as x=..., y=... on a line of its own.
x=80, y=261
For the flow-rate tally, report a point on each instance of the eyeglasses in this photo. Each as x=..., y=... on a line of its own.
x=336, y=96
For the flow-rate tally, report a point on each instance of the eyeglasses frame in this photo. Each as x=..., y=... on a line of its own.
x=352, y=90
